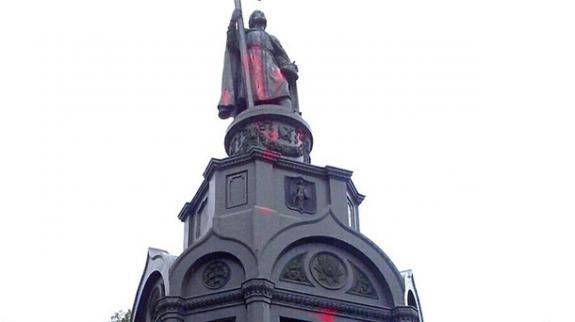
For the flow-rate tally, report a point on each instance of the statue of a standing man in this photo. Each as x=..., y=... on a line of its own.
x=271, y=71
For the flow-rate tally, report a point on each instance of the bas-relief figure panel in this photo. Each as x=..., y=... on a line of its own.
x=303, y=196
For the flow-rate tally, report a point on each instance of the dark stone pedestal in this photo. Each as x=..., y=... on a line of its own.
x=272, y=239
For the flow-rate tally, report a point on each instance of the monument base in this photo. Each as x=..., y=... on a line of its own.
x=270, y=127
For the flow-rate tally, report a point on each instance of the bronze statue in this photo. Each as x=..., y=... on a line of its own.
x=267, y=76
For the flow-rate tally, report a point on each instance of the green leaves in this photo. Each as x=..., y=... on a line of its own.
x=121, y=316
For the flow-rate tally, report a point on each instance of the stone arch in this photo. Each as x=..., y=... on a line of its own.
x=334, y=233
x=411, y=301
x=329, y=267
x=236, y=255
x=153, y=290
x=214, y=272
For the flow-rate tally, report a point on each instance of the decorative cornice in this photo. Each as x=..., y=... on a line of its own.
x=258, y=288
x=358, y=197
x=177, y=306
x=280, y=162
x=224, y=163
x=205, y=302
x=405, y=314
x=337, y=306
x=338, y=172
x=181, y=306
x=275, y=158
x=301, y=167
x=168, y=306
x=190, y=207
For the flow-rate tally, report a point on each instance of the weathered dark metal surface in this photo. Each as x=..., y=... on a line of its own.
x=265, y=63
x=268, y=236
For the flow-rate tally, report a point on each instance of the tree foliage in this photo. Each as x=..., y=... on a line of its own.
x=121, y=316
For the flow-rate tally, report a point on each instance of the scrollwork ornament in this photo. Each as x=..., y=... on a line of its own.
x=294, y=271
x=362, y=286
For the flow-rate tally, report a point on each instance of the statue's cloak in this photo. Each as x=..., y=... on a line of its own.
x=266, y=58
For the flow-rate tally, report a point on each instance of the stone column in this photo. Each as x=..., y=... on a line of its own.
x=258, y=298
x=405, y=314
x=169, y=309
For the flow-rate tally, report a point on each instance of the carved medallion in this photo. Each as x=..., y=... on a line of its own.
x=300, y=195
x=216, y=274
x=362, y=285
x=328, y=270
x=294, y=271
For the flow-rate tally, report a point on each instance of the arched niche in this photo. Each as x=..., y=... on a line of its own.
x=331, y=268
x=411, y=301
x=153, y=291
x=213, y=273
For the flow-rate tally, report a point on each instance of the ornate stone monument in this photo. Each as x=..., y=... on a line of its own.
x=268, y=236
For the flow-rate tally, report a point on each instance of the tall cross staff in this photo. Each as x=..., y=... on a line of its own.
x=244, y=56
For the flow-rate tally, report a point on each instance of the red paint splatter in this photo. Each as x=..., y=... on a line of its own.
x=257, y=73
x=277, y=74
x=278, y=79
x=226, y=97
x=326, y=315
x=270, y=155
x=264, y=211
x=274, y=136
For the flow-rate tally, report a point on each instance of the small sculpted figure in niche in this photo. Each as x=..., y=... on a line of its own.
x=300, y=195
x=272, y=74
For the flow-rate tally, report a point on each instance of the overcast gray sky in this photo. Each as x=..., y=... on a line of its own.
x=456, y=116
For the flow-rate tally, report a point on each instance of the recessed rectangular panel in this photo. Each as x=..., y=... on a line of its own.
x=237, y=189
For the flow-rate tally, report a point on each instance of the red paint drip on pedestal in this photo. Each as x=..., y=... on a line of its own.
x=326, y=315
x=269, y=155
x=264, y=211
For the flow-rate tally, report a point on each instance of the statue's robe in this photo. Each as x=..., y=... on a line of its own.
x=266, y=58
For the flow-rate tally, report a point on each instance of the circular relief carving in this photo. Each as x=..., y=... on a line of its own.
x=216, y=274
x=328, y=270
